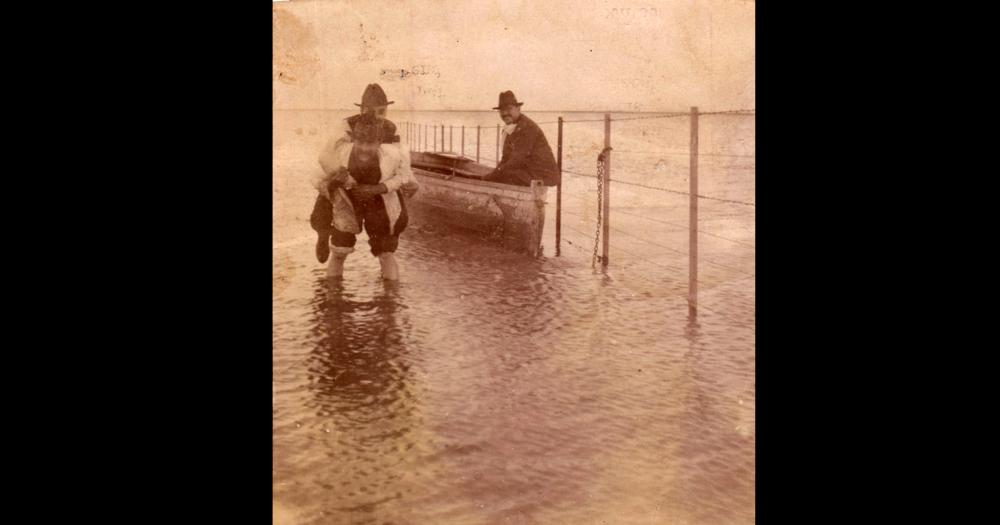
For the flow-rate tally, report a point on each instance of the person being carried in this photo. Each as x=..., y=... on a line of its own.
x=365, y=175
x=526, y=153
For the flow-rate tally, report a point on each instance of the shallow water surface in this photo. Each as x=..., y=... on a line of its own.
x=490, y=387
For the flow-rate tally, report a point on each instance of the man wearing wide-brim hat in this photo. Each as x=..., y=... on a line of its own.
x=526, y=153
x=365, y=174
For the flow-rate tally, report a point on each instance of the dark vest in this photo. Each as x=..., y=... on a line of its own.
x=368, y=135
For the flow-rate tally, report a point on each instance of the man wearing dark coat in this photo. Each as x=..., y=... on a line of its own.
x=526, y=154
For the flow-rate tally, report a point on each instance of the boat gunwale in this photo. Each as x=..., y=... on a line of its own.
x=480, y=186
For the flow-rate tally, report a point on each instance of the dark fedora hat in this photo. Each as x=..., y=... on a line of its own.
x=374, y=96
x=507, y=98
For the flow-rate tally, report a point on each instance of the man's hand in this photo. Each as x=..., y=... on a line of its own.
x=340, y=178
x=409, y=189
x=363, y=191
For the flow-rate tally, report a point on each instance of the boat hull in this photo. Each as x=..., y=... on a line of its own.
x=513, y=216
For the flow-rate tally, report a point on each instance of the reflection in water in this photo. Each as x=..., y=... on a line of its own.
x=357, y=355
x=491, y=388
x=714, y=478
x=360, y=392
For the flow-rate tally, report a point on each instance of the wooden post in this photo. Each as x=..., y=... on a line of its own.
x=451, y=135
x=538, y=224
x=497, y=157
x=425, y=137
x=607, y=188
x=463, y=141
x=442, y=137
x=559, y=188
x=436, y=137
x=477, y=143
x=693, y=219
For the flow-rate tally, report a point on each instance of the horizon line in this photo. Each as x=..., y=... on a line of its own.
x=702, y=110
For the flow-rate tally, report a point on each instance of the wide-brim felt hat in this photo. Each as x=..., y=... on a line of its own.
x=374, y=96
x=507, y=98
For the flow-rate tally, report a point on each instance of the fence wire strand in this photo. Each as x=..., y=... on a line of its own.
x=647, y=186
x=678, y=272
x=680, y=252
x=685, y=228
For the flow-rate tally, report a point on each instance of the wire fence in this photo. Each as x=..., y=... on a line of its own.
x=667, y=190
x=441, y=138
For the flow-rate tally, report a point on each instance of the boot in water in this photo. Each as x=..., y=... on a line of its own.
x=323, y=247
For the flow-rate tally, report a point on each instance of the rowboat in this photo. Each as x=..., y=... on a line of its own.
x=453, y=193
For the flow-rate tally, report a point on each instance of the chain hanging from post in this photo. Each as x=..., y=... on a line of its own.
x=600, y=203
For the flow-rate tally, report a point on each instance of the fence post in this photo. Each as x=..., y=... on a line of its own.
x=693, y=219
x=463, y=141
x=607, y=188
x=497, y=156
x=538, y=222
x=442, y=137
x=559, y=188
x=477, y=143
x=425, y=137
x=451, y=136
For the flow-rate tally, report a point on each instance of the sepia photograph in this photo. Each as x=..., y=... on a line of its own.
x=513, y=262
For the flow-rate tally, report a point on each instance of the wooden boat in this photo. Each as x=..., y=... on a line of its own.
x=453, y=193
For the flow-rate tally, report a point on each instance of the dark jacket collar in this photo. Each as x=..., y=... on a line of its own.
x=523, y=122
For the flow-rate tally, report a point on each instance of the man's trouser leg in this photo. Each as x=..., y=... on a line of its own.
x=383, y=243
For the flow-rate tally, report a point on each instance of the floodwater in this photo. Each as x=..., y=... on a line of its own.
x=490, y=387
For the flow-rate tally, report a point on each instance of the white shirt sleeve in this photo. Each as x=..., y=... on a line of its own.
x=335, y=155
x=403, y=174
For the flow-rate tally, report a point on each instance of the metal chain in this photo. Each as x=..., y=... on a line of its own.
x=600, y=203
